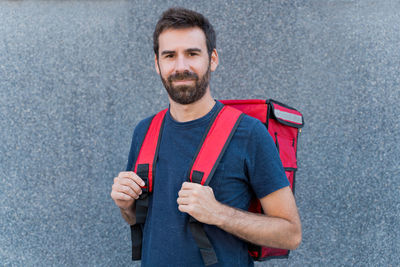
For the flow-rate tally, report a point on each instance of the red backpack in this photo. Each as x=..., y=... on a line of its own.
x=283, y=123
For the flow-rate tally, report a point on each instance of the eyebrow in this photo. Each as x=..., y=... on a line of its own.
x=167, y=52
x=193, y=50
x=187, y=50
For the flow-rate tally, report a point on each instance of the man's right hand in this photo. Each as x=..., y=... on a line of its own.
x=126, y=188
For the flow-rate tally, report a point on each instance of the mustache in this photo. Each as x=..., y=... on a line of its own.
x=186, y=75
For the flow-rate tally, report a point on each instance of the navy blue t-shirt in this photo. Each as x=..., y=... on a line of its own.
x=250, y=165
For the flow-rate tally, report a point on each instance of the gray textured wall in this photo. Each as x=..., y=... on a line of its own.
x=75, y=78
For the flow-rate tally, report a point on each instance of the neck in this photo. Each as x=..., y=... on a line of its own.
x=196, y=110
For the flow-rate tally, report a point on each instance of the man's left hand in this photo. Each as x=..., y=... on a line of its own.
x=199, y=202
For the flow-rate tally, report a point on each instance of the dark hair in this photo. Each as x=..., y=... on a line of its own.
x=180, y=18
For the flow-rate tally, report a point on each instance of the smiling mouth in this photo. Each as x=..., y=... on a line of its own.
x=183, y=81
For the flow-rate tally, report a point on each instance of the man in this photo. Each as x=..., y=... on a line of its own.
x=185, y=55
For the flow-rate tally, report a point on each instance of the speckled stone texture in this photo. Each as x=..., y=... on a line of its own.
x=76, y=77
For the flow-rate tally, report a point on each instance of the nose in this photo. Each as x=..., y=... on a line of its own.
x=181, y=64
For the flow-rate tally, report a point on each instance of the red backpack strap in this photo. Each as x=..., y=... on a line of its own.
x=214, y=144
x=145, y=169
x=210, y=151
x=145, y=162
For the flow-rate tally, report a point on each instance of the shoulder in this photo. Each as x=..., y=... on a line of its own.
x=140, y=131
x=142, y=127
x=250, y=133
x=252, y=138
x=252, y=123
x=137, y=138
x=252, y=128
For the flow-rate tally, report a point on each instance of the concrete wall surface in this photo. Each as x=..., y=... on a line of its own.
x=77, y=76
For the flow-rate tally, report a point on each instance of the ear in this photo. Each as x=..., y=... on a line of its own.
x=214, y=60
x=156, y=64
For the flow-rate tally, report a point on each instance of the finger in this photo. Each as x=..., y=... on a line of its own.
x=133, y=176
x=184, y=193
x=138, y=180
x=184, y=208
x=115, y=195
x=128, y=182
x=131, y=180
x=126, y=190
x=126, y=174
x=189, y=185
x=183, y=201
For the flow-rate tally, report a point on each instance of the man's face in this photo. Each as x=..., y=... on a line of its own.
x=183, y=64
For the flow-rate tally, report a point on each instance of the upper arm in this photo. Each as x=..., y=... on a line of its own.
x=265, y=170
x=137, y=139
x=281, y=204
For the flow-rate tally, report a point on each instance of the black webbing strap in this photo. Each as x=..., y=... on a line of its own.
x=141, y=206
x=203, y=242
x=136, y=236
x=197, y=176
x=206, y=249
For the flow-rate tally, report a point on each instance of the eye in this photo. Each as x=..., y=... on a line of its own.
x=192, y=54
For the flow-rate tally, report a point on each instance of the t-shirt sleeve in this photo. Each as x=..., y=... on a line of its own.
x=264, y=166
x=132, y=154
x=137, y=139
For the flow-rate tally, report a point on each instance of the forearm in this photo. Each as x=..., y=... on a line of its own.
x=281, y=229
x=259, y=229
x=129, y=214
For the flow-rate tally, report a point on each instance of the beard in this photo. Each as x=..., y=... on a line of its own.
x=187, y=94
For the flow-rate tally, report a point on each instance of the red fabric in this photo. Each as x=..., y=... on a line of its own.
x=271, y=252
x=231, y=102
x=290, y=176
x=287, y=142
x=256, y=108
x=149, y=146
x=215, y=141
